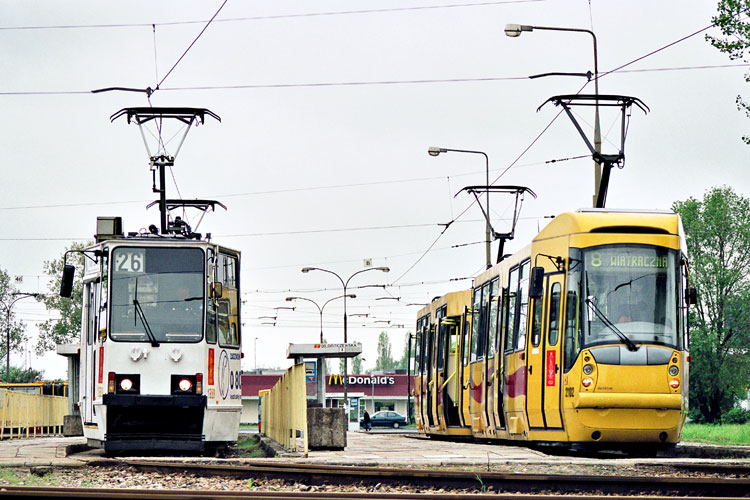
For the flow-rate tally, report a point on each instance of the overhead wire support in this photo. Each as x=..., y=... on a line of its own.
x=606, y=160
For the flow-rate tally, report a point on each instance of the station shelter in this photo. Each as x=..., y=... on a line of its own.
x=379, y=391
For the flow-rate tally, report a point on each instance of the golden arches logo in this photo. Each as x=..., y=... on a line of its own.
x=335, y=378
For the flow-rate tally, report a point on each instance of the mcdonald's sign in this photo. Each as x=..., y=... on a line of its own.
x=335, y=378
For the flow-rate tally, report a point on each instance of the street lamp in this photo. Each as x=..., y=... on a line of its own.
x=321, y=388
x=320, y=308
x=345, y=284
x=515, y=30
x=8, y=307
x=255, y=354
x=435, y=151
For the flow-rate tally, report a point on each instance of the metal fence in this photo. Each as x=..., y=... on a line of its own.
x=284, y=409
x=29, y=415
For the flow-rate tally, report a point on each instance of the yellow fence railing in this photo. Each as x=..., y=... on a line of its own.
x=284, y=410
x=29, y=415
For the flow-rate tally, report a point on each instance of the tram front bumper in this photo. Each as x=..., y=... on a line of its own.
x=154, y=422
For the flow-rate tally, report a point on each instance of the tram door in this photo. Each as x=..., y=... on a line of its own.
x=429, y=349
x=418, y=375
x=464, y=371
x=543, y=354
x=553, y=351
x=88, y=357
x=451, y=385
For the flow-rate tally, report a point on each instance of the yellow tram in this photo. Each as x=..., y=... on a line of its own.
x=581, y=337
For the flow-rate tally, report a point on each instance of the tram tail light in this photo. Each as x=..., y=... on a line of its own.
x=199, y=383
x=674, y=383
x=111, y=383
x=126, y=383
x=210, y=366
x=185, y=384
x=586, y=382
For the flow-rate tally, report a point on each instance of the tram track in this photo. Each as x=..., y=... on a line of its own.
x=24, y=492
x=419, y=479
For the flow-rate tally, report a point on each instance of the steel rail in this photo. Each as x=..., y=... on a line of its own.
x=525, y=483
x=23, y=492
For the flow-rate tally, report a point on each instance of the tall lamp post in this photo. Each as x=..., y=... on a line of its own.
x=321, y=386
x=434, y=151
x=8, y=307
x=345, y=283
x=514, y=30
x=255, y=353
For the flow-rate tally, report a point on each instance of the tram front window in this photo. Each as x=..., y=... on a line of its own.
x=157, y=292
x=628, y=295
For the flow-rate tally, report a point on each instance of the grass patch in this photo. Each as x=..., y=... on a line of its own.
x=16, y=477
x=249, y=447
x=730, y=434
x=248, y=426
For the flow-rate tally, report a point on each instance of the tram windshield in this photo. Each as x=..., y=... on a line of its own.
x=626, y=294
x=157, y=294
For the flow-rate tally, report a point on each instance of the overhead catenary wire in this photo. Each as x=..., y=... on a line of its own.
x=371, y=82
x=272, y=17
x=158, y=85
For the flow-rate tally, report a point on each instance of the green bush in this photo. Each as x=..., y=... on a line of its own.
x=736, y=416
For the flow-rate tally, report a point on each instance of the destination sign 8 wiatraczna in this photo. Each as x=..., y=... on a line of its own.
x=598, y=259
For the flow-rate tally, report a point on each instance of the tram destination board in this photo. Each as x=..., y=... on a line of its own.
x=349, y=350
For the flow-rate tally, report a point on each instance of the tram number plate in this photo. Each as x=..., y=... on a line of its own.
x=569, y=392
x=130, y=260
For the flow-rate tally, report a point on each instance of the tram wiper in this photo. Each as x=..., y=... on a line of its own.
x=604, y=319
x=146, y=326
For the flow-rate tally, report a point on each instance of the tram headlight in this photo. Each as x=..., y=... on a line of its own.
x=126, y=384
x=674, y=383
x=674, y=370
x=588, y=369
x=185, y=385
x=587, y=382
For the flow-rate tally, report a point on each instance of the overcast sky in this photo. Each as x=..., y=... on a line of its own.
x=327, y=110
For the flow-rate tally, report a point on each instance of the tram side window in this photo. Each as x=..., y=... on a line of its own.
x=227, y=270
x=536, y=321
x=503, y=326
x=465, y=342
x=228, y=324
x=494, y=298
x=211, y=322
x=226, y=329
x=91, y=316
x=476, y=323
x=554, y=314
x=441, y=345
x=512, y=300
x=417, y=353
x=523, y=306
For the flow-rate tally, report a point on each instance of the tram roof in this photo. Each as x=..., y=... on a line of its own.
x=603, y=220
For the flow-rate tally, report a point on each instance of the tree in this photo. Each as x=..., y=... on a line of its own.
x=718, y=241
x=66, y=329
x=385, y=358
x=356, y=364
x=19, y=376
x=403, y=363
x=734, y=25
x=10, y=326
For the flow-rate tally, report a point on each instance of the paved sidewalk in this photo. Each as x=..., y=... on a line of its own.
x=397, y=448
x=362, y=449
x=39, y=451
